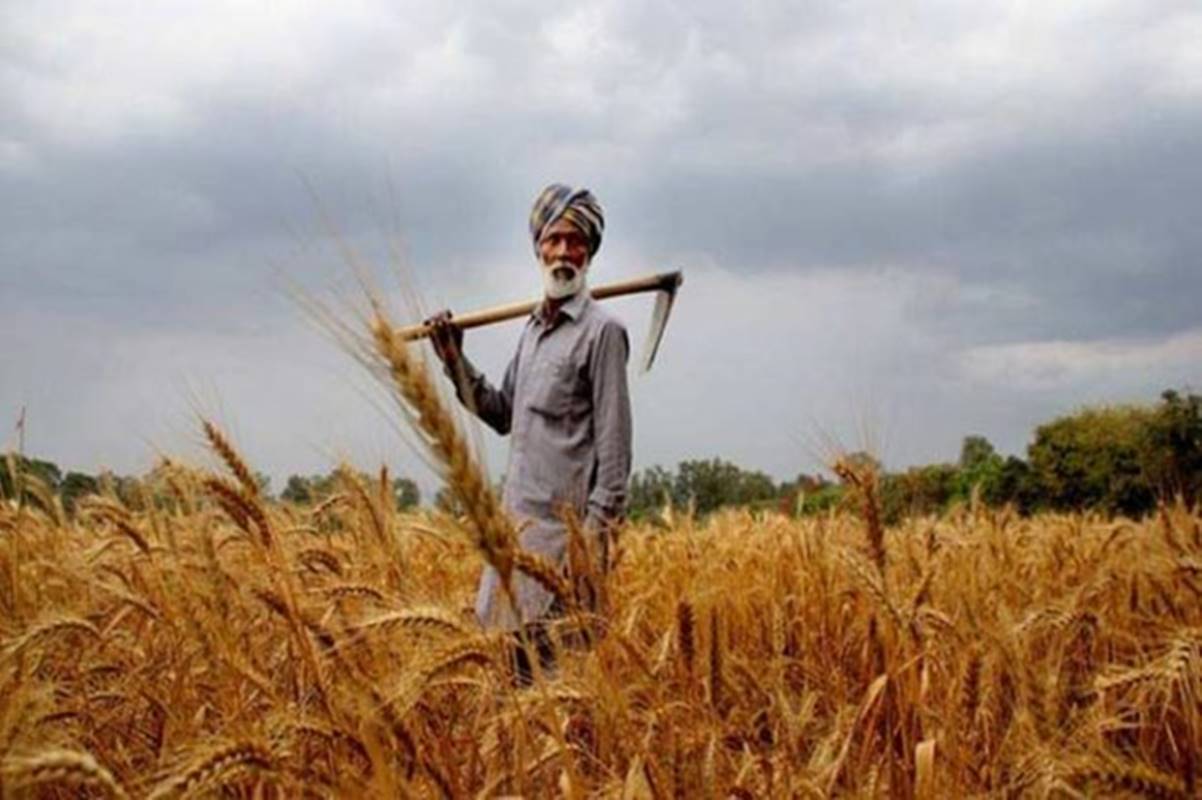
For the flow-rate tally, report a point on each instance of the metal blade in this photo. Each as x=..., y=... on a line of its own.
x=659, y=321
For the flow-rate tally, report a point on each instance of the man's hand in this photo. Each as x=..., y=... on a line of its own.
x=446, y=337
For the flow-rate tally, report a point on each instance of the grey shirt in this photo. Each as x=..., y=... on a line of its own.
x=565, y=402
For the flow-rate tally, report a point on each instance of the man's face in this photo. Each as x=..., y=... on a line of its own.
x=563, y=253
x=562, y=242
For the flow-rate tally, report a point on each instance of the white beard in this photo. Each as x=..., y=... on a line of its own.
x=556, y=285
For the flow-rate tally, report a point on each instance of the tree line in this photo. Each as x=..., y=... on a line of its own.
x=1114, y=459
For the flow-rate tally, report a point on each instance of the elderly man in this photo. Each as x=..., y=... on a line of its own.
x=564, y=401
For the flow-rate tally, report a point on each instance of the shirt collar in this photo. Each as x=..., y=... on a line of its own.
x=575, y=305
x=572, y=309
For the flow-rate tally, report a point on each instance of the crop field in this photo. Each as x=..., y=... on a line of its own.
x=184, y=648
x=203, y=641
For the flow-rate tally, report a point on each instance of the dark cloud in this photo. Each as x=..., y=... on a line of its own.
x=982, y=177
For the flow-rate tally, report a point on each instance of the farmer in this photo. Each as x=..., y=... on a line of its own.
x=564, y=399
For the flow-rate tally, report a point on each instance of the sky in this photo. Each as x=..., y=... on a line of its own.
x=899, y=223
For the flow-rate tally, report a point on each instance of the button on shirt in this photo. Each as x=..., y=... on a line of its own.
x=564, y=400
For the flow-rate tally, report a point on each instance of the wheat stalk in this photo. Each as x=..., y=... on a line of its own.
x=494, y=532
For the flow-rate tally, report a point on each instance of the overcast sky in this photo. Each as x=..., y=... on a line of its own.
x=922, y=220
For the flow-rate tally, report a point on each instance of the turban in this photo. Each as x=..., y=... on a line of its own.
x=577, y=206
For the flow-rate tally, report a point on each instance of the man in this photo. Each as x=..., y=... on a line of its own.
x=564, y=401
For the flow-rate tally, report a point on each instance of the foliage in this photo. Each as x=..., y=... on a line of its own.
x=75, y=486
x=919, y=491
x=13, y=465
x=406, y=493
x=650, y=489
x=306, y=490
x=1093, y=459
x=1173, y=452
x=703, y=485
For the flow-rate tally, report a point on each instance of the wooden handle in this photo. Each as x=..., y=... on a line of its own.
x=664, y=281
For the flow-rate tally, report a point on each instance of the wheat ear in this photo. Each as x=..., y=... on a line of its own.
x=1139, y=779
x=716, y=662
x=865, y=480
x=494, y=533
x=224, y=448
x=242, y=508
x=421, y=618
x=686, y=635
x=544, y=573
x=214, y=770
x=61, y=766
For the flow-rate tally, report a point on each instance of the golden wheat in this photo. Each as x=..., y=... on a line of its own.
x=743, y=655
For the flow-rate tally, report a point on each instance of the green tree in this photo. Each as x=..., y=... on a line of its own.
x=304, y=489
x=46, y=472
x=1014, y=483
x=1173, y=450
x=1093, y=459
x=76, y=486
x=649, y=490
x=407, y=493
x=976, y=451
x=918, y=491
x=714, y=483
x=297, y=490
x=980, y=468
x=705, y=484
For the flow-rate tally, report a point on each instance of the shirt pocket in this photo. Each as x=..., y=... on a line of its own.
x=553, y=392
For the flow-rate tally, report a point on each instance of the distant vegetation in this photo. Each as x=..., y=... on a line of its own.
x=1113, y=459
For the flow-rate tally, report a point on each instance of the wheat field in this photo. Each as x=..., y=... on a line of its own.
x=205, y=641
x=331, y=651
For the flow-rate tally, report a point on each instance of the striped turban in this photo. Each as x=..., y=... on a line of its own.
x=577, y=206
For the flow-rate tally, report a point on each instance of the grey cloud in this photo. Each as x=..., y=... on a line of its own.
x=977, y=190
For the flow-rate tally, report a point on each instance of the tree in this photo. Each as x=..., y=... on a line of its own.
x=649, y=490
x=46, y=472
x=1014, y=484
x=980, y=468
x=707, y=485
x=714, y=483
x=297, y=490
x=1093, y=459
x=406, y=492
x=975, y=451
x=76, y=486
x=918, y=491
x=1173, y=451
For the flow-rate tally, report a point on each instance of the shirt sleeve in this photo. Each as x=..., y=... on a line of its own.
x=492, y=405
x=611, y=426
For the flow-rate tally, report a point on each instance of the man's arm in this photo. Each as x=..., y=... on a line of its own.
x=611, y=427
x=494, y=406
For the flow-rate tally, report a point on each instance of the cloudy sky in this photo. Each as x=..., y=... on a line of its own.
x=916, y=219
